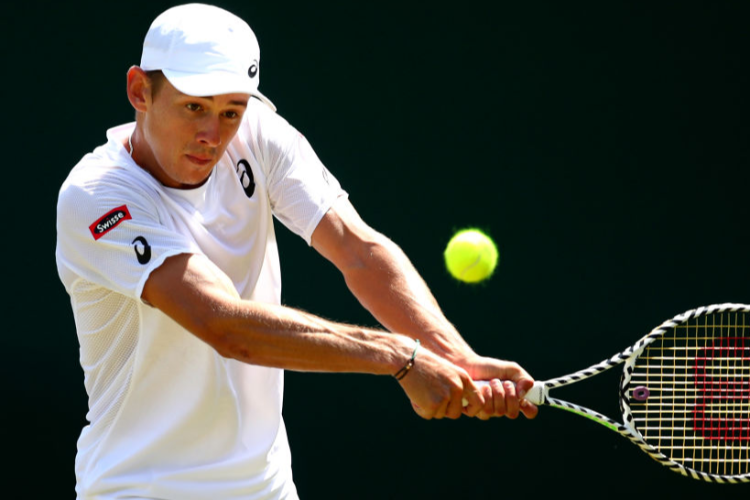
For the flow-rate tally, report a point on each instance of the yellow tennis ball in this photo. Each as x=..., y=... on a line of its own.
x=471, y=256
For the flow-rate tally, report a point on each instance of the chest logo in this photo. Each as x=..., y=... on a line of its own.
x=109, y=221
x=245, y=173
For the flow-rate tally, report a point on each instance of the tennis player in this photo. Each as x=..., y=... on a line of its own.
x=166, y=247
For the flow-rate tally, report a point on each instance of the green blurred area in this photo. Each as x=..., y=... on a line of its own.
x=604, y=146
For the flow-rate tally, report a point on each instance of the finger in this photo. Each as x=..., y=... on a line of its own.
x=472, y=400
x=489, y=400
x=521, y=378
x=455, y=408
x=498, y=398
x=484, y=412
x=523, y=385
x=512, y=403
x=529, y=409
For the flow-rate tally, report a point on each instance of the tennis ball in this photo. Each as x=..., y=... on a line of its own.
x=471, y=256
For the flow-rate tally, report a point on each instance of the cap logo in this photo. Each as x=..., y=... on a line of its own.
x=253, y=70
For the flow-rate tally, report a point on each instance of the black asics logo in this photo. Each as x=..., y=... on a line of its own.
x=142, y=250
x=246, y=177
x=253, y=69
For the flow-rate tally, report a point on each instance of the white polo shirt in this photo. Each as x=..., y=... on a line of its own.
x=169, y=418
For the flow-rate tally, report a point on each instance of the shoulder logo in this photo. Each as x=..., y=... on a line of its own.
x=109, y=221
x=142, y=250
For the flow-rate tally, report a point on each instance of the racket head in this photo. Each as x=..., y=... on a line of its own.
x=685, y=393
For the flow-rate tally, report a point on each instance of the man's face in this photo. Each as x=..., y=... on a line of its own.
x=187, y=135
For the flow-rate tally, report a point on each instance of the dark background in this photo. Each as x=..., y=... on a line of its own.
x=605, y=147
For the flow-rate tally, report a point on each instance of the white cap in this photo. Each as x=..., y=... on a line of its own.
x=204, y=51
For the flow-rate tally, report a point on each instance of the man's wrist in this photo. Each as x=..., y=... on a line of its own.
x=409, y=364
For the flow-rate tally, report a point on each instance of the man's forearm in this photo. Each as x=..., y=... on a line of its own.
x=390, y=288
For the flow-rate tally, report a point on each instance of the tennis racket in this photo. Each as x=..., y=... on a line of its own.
x=684, y=393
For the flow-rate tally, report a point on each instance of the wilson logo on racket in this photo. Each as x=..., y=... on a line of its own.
x=719, y=412
x=109, y=221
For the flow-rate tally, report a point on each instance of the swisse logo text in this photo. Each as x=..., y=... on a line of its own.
x=109, y=221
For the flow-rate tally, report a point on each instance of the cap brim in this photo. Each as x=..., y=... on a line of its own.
x=217, y=83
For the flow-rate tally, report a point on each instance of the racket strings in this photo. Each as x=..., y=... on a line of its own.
x=689, y=393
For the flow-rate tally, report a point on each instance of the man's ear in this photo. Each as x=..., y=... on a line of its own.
x=139, y=89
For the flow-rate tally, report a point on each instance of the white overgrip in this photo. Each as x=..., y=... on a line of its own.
x=537, y=394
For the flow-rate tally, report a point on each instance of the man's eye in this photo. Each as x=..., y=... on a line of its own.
x=193, y=106
x=231, y=114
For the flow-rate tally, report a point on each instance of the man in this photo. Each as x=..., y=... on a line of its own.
x=166, y=246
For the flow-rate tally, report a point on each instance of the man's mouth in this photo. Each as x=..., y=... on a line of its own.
x=200, y=159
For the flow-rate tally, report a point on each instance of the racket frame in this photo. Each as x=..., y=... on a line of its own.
x=539, y=393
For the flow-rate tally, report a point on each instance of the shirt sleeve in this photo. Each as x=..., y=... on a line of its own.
x=301, y=189
x=113, y=235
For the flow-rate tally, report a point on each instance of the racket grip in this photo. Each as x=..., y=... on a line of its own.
x=537, y=394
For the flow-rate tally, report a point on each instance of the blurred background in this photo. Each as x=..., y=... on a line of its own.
x=604, y=145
